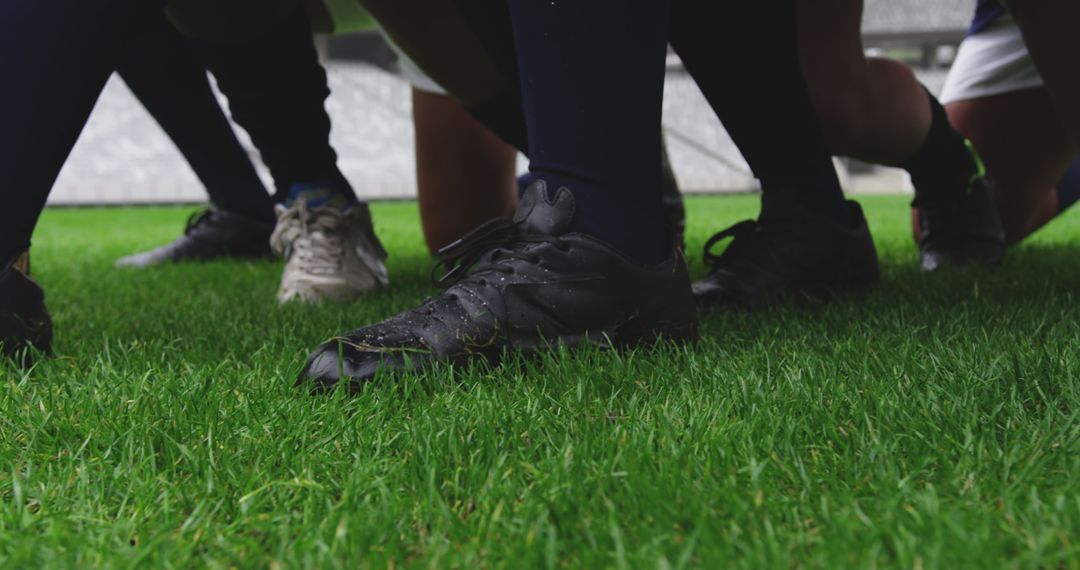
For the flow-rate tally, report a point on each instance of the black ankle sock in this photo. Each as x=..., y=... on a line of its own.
x=819, y=199
x=816, y=192
x=943, y=166
x=820, y=194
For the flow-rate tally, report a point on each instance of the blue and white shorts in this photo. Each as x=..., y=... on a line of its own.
x=992, y=59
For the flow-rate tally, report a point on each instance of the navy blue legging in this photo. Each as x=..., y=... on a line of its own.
x=592, y=79
x=57, y=57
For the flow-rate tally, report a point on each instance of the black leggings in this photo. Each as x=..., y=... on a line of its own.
x=162, y=70
x=58, y=56
x=756, y=87
x=277, y=91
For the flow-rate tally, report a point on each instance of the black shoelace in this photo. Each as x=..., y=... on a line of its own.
x=743, y=230
x=755, y=252
x=197, y=219
x=499, y=240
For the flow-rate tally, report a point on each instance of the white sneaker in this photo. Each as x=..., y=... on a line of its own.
x=329, y=254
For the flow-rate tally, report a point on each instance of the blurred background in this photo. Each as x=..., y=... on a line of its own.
x=124, y=158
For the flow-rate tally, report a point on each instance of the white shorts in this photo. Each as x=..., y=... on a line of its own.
x=991, y=62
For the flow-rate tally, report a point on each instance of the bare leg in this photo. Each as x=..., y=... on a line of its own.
x=872, y=109
x=1049, y=29
x=1026, y=149
x=876, y=110
x=465, y=174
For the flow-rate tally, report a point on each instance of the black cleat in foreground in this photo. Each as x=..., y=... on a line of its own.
x=210, y=234
x=24, y=321
x=519, y=285
x=788, y=251
x=964, y=230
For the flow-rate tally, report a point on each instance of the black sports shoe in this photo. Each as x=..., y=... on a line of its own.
x=24, y=321
x=788, y=251
x=962, y=229
x=210, y=234
x=523, y=284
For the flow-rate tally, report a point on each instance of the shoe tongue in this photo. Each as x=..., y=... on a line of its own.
x=542, y=214
x=318, y=196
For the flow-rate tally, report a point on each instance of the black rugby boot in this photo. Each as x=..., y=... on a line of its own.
x=961, y=228
x=525, y=285
x=24, y=320
x=788, y=251
x=210, y=234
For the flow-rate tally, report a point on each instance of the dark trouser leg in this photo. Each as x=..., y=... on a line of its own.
x=761, y=98
x=592, y=76
x=489, y=21
x=57, y=56
x=277, y=89
x=167, y=77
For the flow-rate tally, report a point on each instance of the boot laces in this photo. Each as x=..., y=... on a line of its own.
x=743, y=230
x=488, y=248
x=755, y=249
x=311, y=237
x=198, y=220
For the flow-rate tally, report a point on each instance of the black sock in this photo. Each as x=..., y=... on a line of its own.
x=943, y=166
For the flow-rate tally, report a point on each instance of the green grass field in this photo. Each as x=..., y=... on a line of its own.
x=932, y=423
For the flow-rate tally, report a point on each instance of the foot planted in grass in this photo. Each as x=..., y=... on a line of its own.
x=788, y=252
x=210, y=234
x=960, y=227
x=525, y=285
x=25, y=325
x=330, y=248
